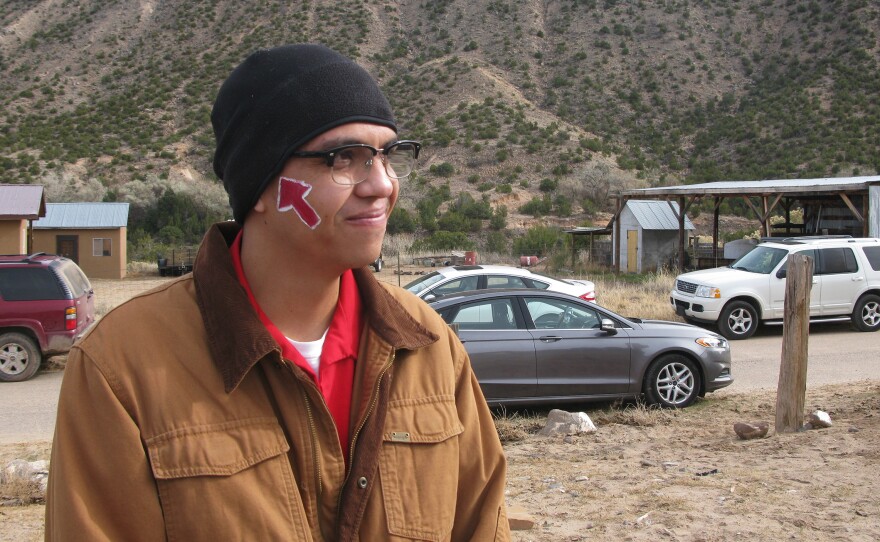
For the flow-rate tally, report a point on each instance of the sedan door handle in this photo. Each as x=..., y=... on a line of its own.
x=550, y=338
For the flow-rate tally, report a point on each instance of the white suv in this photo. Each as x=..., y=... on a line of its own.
x=846, y=286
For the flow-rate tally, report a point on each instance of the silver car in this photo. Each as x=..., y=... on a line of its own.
x=461, y=278
x=534, y=346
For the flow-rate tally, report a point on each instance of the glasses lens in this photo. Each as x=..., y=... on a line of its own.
x=351, y=164
x=401, y=160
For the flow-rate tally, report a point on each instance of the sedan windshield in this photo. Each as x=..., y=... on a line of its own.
x=760, y=260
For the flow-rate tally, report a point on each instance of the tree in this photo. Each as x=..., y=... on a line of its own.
x=538, y=240
x=400, y=221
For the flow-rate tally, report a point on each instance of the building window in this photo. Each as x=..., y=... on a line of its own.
x=101, y=247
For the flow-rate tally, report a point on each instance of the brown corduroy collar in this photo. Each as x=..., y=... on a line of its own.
x=237, y=338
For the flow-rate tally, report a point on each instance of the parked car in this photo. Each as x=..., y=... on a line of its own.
x=377, y=263
x=751, y=291
x=46, y=303
x=461, y=278
x=537, y=346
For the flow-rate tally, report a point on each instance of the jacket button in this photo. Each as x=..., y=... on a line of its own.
x=362, y=482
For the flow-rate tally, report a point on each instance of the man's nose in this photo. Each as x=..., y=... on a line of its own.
x=378, y=183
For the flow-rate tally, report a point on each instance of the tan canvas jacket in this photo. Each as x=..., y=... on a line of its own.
x=179, y=420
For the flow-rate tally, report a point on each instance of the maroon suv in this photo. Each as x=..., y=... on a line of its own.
x=46, y=303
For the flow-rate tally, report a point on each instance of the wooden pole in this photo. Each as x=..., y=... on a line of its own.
x=792, y=387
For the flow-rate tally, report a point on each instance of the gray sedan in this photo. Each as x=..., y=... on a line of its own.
x=530, y=347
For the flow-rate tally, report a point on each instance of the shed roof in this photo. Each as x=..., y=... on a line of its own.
x=657, y=215
x=776, y=186
x=22, y=201
x=84, y=216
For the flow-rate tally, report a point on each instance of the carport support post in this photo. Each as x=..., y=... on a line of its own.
x=795, y=331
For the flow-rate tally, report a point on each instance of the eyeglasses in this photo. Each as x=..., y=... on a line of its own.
x=350, y=164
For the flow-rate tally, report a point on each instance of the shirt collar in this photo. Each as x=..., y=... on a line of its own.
x=237, y=338
x=343, y=336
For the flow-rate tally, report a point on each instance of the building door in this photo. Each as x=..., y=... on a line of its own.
x=67, y=246
x=632, y=251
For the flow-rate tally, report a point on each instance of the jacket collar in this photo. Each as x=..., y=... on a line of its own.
x=236, y=337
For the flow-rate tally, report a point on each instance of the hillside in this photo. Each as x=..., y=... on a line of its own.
x=560, y=101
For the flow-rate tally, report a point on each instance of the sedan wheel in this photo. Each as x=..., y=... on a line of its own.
x=19, y=357
x=672, y=382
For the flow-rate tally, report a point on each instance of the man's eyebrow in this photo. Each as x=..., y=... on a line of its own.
x=340, y=142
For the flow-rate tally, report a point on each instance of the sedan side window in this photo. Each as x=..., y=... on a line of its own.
x=550, y=313
x=490, y=314
x=458, y=285
x=504, y=281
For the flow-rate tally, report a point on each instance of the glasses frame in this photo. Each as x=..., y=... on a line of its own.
x=329, y=156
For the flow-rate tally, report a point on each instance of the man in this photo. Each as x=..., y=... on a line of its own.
x=280, y=392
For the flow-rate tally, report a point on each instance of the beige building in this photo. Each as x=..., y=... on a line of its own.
x=20, y=204
x=91, y=234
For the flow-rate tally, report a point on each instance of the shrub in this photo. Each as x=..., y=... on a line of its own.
x=538, y=240
x=442, y=170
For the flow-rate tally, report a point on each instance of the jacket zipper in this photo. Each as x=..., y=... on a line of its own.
x=316, y=457
x=374, y=397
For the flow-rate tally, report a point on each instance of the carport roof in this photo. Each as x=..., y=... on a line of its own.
x=742, y=188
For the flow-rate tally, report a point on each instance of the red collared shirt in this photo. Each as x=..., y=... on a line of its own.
x=336, y=377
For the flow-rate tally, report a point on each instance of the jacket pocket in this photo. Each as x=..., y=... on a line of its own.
x=418, y=467
x=227, y=481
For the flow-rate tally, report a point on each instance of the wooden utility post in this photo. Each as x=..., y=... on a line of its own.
x=792, y=387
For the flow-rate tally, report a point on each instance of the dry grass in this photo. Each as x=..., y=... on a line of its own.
x=516, y=426
x=18, y=492
x=642, y=296
x=636, y=414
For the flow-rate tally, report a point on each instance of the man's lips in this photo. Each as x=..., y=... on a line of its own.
x=373, y=215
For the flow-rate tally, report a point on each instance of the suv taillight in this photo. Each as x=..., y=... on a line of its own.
x=70, y=318
x=589, y=296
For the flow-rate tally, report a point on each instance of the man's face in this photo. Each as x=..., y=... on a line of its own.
x=332, y=225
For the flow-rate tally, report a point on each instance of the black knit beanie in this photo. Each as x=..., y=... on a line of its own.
x=277, y=100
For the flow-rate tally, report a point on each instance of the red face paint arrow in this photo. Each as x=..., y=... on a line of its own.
x=292, y=195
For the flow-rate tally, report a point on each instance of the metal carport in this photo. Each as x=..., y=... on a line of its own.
x=859, y=195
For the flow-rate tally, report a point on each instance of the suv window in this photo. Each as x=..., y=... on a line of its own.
x=837, y=260
x=873, y=255
x=29, y=284
x=75, y=278
x=760, y=260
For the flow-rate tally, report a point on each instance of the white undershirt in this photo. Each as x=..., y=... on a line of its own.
x=311, y=350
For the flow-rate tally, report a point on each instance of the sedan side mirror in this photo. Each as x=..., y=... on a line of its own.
x=608, y=326
x=781, y=273
x=430, y=297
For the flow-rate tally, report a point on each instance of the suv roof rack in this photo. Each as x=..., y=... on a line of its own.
x=30, y=258
x=816, y=237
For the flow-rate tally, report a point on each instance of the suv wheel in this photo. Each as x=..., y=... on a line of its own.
x=739, y=320
x=866, y=316
x=672, y=381
x=19, y=357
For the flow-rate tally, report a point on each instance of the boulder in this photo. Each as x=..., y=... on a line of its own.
x=560, y=422
x=519, y=519
x=751, y=430
x=818, y=420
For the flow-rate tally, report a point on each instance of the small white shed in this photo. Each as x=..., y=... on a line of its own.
x=649, y=235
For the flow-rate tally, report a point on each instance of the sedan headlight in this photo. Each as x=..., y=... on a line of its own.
x=708, y=291
x=712, y=342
